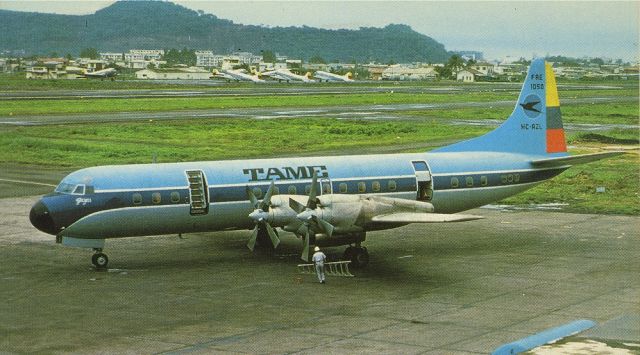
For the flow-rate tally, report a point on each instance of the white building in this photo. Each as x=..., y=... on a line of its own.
x=143, y=54
x=208, y=59
x=191, y=73
x=402, y=72
x=482, y=67
x=467, y=75
x=112, y=57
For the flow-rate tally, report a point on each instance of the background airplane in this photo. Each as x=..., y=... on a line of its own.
x=322, y=200
x=287, y=75
x=326, y=76
x=101, y=74
x=236, y=75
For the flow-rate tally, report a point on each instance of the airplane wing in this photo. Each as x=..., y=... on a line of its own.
x=415, y=217
x=572, y=160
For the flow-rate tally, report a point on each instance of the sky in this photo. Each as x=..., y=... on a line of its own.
x=498, y=28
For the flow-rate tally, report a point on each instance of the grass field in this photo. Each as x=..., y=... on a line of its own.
x=76, y=146
x=72, y=146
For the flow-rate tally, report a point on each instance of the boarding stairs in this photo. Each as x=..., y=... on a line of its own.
x=197, y=192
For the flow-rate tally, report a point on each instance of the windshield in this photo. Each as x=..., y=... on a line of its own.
x=72, y=189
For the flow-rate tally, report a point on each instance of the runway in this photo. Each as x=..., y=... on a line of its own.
x=462, y=288
x=210, y=88
x=368, y=112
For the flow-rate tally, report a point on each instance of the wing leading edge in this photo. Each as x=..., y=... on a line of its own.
x=416, y=217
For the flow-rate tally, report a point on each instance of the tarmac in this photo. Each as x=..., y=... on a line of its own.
x=461, y=288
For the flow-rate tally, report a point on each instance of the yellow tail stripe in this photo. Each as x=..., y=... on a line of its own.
x=551, y=88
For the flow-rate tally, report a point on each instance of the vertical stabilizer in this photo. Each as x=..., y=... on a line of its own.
x=535, y=125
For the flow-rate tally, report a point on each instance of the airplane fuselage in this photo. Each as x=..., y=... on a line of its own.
x=153, y=199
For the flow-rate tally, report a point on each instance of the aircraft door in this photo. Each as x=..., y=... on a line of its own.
x=198, y=192
x=424, y=181
x=325, y=186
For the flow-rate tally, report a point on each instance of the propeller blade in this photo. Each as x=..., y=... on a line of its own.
x=295, y=205
x=272, y=234
x=252, y=198
x=305, y=250
x=326, y=227
x=267, y=197
x=311, y=203
x=252, y=241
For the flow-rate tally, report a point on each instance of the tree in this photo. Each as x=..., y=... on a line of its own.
x=268, y=56
x=316, y=59
x=90, y=53
x=455, y=63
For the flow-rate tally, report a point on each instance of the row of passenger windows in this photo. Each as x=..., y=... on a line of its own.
x=156, y=198
x=455, y=182
x=343, y=188
x=375, y=186
x=469, y=181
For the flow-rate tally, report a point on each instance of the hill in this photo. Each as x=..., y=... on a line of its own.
x=160, y=25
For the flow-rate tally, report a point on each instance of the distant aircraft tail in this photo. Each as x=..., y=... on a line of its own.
x=535, y=125
x=349, y=75
x=308, y=75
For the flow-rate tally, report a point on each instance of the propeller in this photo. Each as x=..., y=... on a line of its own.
x=260, y=216
x=309, y=216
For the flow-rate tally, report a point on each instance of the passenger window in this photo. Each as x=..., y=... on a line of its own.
x=156, y=198
x=307, y=189
x=257, y=192
x=292, y=190
x=362, y=187
x=326, y=188
x=175, y=197
x=483, y=180
x=375, y=186
x=454, y=182
x=469, y=181
x=137, y=198
x=343, y=187
x=392, y=185
x=516, y=177
x=276, y=190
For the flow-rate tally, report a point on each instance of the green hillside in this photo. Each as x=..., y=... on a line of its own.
x=160, y=25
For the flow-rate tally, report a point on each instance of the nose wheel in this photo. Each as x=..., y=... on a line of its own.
x=100, y=260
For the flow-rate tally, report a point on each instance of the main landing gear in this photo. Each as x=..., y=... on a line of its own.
x=358, y=255
x=99, y=259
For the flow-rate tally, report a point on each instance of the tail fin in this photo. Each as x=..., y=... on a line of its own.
x=349, y=75
x=535, y=125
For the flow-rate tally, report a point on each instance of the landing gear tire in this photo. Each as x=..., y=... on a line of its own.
x=359, y=256
x=100, y=261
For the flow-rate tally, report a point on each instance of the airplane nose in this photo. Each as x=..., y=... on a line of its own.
x=41, y=218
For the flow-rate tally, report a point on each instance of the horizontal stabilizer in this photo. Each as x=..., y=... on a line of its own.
x=572, y=160
x=414, y=217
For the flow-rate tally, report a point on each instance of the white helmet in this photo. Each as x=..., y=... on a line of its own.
x=317, y=249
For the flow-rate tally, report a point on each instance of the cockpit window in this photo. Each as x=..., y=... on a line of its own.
x=65, y=188
x=71, y=189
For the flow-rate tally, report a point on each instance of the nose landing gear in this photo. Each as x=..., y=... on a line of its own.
x=99, y=259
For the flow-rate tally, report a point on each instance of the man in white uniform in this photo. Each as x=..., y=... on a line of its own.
x=318, y=259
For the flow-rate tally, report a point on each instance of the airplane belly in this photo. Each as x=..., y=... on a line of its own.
x=158, y=220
